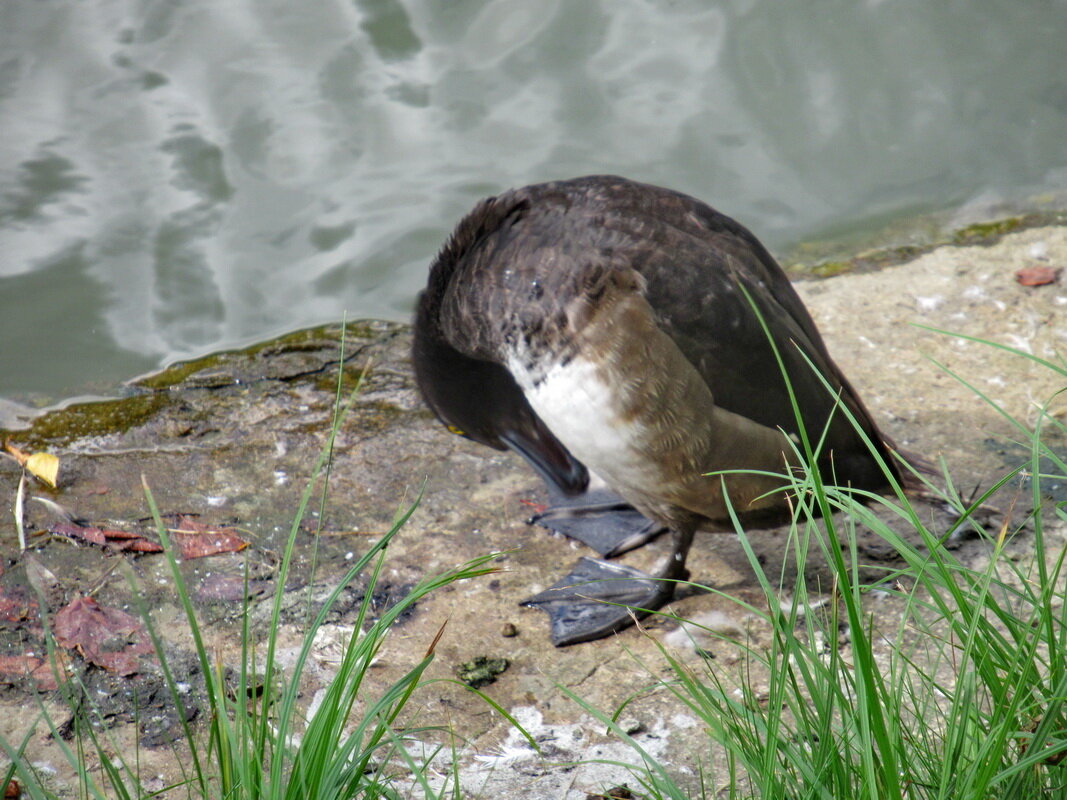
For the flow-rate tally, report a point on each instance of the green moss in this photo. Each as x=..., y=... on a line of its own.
x=987, y=232
x=297, y=341
x=828, y=269
x=350, y=379
x=982, y=233
x=81, y=420
x=176, y=373
x=482, y=671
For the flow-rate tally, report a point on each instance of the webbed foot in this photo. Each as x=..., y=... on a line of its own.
x=599, y=519
x=597, y=599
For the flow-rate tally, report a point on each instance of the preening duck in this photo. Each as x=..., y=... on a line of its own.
x=607, y=326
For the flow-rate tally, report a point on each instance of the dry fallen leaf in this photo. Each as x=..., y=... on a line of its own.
x=15, y=606
x=114, y=539
x=36, y=668
x=44, y=467
x=105, y=636
x=1037, y=275
x=197, y=539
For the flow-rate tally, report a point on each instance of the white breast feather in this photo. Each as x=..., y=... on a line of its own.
x=578, y=407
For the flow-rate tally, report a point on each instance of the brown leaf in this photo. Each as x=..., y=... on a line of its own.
x=140, y=545
x=72, y=531
x=106, y=537
x=197, y=539
x=19, y=666
x=35, y=668
x=105, y=636
x=1037, y=275
x=15, y=608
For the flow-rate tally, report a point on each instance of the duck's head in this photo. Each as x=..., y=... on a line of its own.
x=479, y=400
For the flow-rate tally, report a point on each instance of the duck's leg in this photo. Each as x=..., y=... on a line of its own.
x=597, y=598
x=599, y=519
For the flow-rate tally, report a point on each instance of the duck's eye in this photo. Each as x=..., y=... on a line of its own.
x=455, y=430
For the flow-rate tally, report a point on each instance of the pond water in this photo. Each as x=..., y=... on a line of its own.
x=180, y=176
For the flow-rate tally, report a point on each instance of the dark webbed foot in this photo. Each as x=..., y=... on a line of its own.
x=599, y=519
x=597, y=599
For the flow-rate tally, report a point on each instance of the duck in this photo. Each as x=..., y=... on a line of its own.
x=630, y=343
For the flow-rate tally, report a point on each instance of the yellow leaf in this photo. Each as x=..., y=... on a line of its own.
x=44, y=466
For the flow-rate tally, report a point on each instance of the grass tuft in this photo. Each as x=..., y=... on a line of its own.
x=257, y=743
x=966, y=698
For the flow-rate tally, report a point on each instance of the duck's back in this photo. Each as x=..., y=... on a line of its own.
x=528, y=268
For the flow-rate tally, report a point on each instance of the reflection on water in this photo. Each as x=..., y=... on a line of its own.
x=177, y=177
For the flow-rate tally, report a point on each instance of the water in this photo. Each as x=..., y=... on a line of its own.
x=179, y=176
